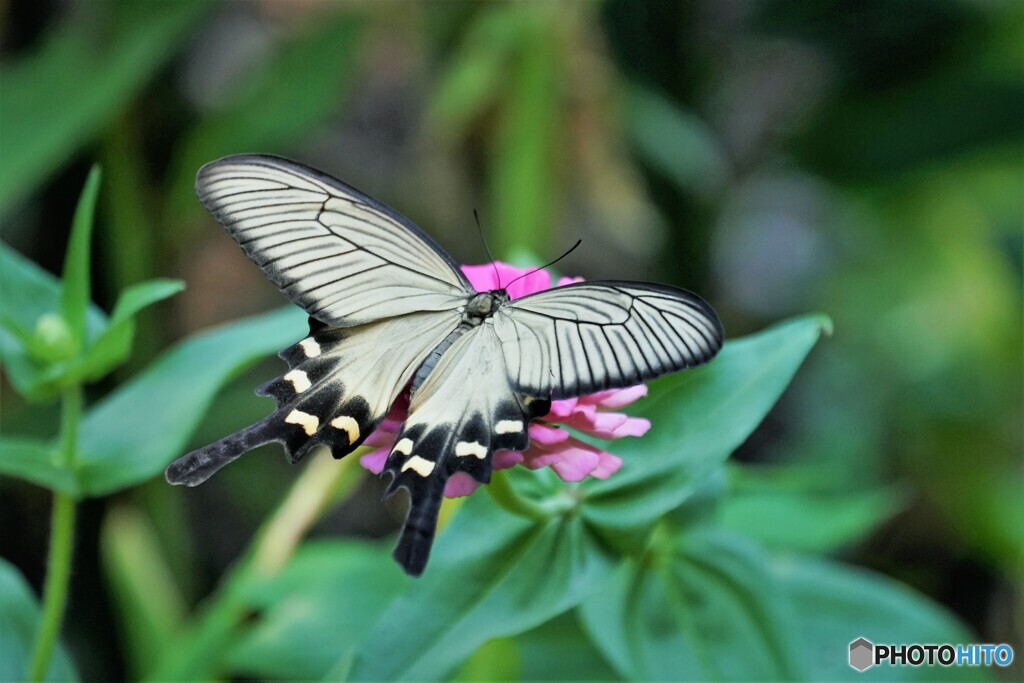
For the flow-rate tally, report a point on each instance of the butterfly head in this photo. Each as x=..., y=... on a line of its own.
x=483, y=305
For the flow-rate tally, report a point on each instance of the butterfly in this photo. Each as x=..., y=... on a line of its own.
x=390, y=310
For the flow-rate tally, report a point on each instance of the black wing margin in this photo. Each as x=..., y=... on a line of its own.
x=590, y=336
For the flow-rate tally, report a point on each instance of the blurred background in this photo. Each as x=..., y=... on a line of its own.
x=859, y=158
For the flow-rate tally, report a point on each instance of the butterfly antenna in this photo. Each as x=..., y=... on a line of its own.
x=483, y=239
x=548, y=265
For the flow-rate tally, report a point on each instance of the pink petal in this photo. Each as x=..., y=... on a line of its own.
x=616, y=398
x=384, y=435
x=374, y=460
x=546, y=434
x=460, y=484
x=505, y=459
x=563, y=281
x=576, y=463
x=633, y=426
x=481, y=277
x=532, y=283
x=562, y=408
x=609, y=464
x=571, y=461
x=601, y=425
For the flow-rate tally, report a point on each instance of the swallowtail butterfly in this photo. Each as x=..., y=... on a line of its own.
x=390, y=309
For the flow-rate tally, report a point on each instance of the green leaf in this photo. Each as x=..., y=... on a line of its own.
x=559, y=650
x=698, y=418
x=35, y=460
x=75, y=286
x=134, y=432
x=19, y=621
x=492, y=574
x=281, y=100
x=115, y=343
x=59, y=97
x=148, y=603
x=833, y=605
x=781, y=509
x=705, y=608
x=317, y=611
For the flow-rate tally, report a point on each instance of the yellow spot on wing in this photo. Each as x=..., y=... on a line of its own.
x=420, y=466
x=508, y=426
x=348, y=425
x=310, y=347
x=464, y=448
x=299, y=379
x=404, y=447
x=309, y=423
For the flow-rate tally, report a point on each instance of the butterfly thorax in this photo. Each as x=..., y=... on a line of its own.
x=479, y=308
x=483, y=305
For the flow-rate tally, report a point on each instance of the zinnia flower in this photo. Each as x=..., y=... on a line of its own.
x=550, y=444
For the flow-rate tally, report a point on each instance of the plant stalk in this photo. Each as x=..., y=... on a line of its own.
x=62, y=536
x=197, y=653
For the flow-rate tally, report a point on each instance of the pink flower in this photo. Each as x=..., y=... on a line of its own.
x=550, y=445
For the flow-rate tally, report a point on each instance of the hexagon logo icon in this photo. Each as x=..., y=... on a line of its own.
x=862, y=654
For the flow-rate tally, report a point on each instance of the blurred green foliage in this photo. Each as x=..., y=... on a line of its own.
x=860, y=158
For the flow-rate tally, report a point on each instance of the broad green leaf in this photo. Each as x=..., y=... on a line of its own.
x=698, y=418
x=317, y=611
x=559, y=650
x=782, y=509
x=492, y=574
x=112, y=347
x=706, y=608
x=133, y=433
x=149, y=606
x=56, y=99
x=75, y=293
x=833, y=605
x=35, y=460
x=19, y=621
x=297, y=88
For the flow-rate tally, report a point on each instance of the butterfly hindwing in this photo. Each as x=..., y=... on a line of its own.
x=458, y=418
x=340, y=384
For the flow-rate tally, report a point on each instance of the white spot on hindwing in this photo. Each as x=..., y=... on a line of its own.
x=310, y=347
x=464, y=448
x=309, y=423
x=299, y=379
x=420, y=466
x=508, y=426
x=348, y=425
x=404, y=447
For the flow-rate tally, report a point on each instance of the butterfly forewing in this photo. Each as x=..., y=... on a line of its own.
x=340, y=255
x=592, y=336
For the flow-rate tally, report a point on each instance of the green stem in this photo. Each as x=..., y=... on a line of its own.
x=505, y=495
x=197, y=653
x=62, y=535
